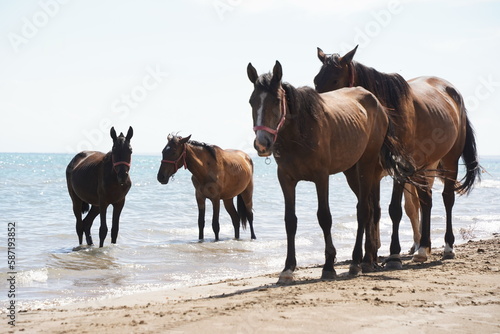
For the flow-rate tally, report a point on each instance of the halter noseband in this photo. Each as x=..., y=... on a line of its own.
x=283, y=108
x=115, y=164
x=182, y=156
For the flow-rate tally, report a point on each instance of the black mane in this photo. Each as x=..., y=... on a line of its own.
x=302, y=102
x=210, y=148
x=391, y=89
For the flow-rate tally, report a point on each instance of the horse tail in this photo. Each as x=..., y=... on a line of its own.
x=395, y=160
x=469, y=156
x=242, y=211
x=85, y=207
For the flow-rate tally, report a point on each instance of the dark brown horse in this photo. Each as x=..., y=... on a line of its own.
x=434, y=128
x=315, y=135
x=100, y=180
x=217, y=175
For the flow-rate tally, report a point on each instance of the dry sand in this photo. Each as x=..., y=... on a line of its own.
x=439, y=296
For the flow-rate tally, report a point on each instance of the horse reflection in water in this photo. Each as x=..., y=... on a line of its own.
x=217, y=175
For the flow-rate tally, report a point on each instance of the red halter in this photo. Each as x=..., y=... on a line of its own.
x=282, y=119
x=182, y=156
x=115, y=164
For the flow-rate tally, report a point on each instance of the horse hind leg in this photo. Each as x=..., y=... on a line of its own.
x=235, y=218
x=246, y=199
x=412, y=208
x=87, y=223
x=449, y=201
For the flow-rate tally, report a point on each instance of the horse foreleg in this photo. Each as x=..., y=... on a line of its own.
x=215, y=217
x=235, y=218
x=325, y=221
x=396, y=213
x=117, y=210
x=88, y=221
x=103, y=229
x=288, y=188
x=412, y=209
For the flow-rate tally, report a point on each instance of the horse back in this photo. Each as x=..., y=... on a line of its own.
x=356, y=124
x=440, y=119
x=236, y=172
x=82, y=175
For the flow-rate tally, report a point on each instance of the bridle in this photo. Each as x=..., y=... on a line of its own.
x=116, y=164
x=283, y=108
x=181, y=157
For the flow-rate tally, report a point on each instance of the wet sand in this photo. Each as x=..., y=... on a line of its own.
x=446, y=296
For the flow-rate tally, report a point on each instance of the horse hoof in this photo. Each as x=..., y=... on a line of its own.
x=328, y=274
x=354, y=269
x=367, y=268
x=286, y=277
x=393, y=262
x=448, y=255
x=421, y=255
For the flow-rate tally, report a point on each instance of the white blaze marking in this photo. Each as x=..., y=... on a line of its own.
x=260, y=111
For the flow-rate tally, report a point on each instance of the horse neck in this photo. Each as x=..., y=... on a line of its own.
x=303, y=106
x=196, y=161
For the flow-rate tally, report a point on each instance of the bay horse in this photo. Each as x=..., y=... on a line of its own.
x=314, y=135
x=217, y=174
x=433, y=127
x=99, y=179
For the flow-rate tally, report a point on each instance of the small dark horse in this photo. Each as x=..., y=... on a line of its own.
x=217, y=175
x=432, y=126
x=100, y=179
x=315, y=135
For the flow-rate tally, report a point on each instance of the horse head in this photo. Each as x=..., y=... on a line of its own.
x=121, y=154
x=268, y=102
x=336, y=72
x=173, y=157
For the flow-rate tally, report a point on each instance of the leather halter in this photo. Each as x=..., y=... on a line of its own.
x=182, y=156
x=352, y=74
x=283, y=108
x=115, y=164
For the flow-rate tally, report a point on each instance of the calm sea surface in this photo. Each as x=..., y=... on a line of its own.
x=157, y=245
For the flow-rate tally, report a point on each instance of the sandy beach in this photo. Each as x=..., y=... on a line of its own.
x=445, y=296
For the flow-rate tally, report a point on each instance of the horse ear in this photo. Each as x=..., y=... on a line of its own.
x=347, y=58
x=130, y=133
x=112, y=132
x=277, y=74
x=321, y=56
x=252, y=73
x=185, y=139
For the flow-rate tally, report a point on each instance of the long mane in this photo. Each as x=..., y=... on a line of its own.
x=303, y=102
x=391, y=89
x=212, y=149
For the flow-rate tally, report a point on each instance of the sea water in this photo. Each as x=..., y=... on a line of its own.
x=157, y=246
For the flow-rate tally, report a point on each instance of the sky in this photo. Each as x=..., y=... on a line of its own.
x=71, y=69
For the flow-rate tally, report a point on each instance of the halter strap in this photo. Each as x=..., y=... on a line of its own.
x=115, y=164
x=352, y=72
x=182, y=156
x=283, y=108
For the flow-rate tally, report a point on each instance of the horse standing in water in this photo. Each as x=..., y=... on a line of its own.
x=100, y=180
x=315, y=135
x=432, y=126
x=217, y=175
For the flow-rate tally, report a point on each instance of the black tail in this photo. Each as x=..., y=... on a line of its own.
x=85, y=207
x=242, y=211
x=469, y=156
x=395, y=160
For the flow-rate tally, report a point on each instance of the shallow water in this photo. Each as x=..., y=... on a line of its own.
x=157, y=245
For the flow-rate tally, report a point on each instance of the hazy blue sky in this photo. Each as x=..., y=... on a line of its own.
x=70, y=69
